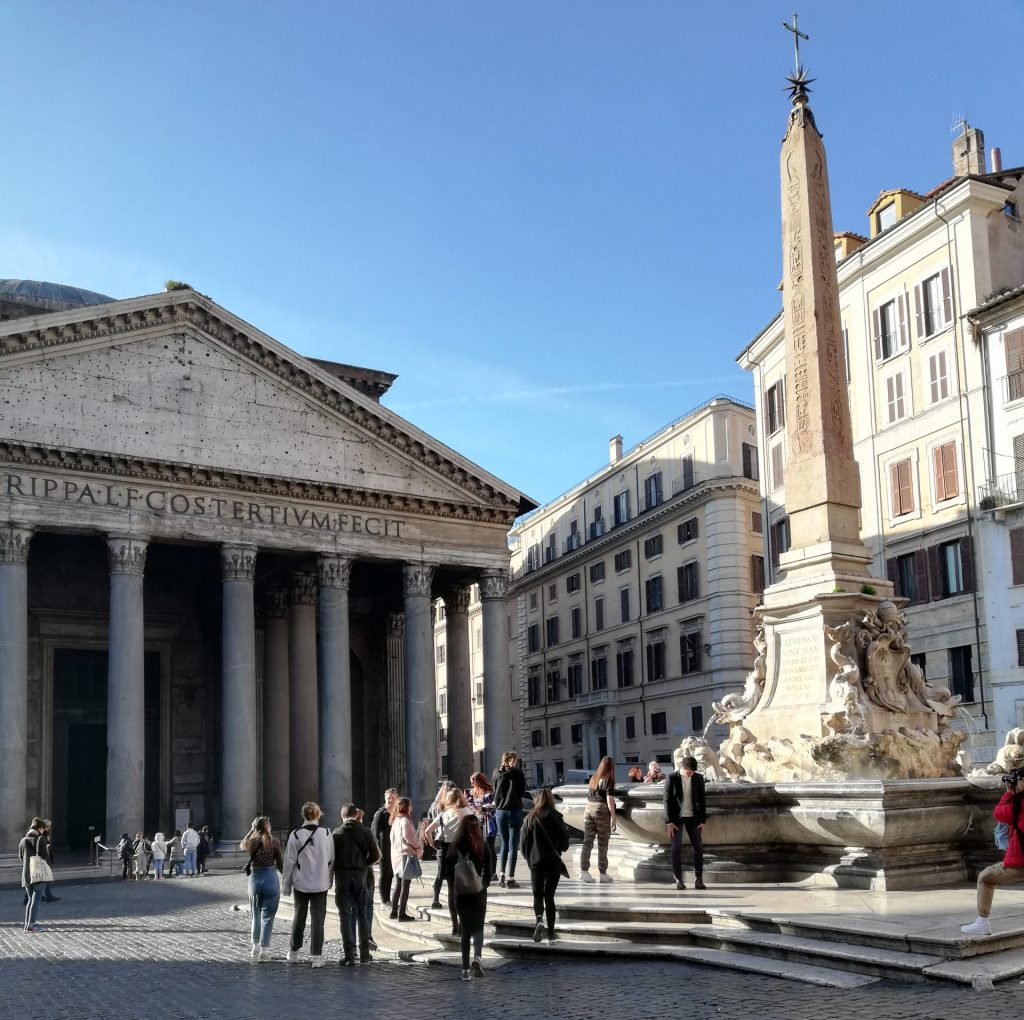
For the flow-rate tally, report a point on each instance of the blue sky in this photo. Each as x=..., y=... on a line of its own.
x=556, y=220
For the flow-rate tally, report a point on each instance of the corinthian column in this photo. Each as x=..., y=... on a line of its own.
x=420, y=692
x=13, y=681
x=335, y=686
x=304, y=720
x=460, y=711
x=395, y=765
x=275, y=707
x=239, y=787
x=497, y=690
x=126, y=689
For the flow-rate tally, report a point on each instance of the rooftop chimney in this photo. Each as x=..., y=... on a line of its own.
x=615, y=449
x=997, y=160
x=969, y=152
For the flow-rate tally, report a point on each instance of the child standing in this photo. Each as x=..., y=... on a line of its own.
x=159, y=853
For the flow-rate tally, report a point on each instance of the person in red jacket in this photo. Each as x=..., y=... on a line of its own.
x=1008, y=810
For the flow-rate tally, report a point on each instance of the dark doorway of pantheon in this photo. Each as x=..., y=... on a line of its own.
x=80, y=746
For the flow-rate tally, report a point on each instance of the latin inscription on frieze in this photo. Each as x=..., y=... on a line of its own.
x=801, y=671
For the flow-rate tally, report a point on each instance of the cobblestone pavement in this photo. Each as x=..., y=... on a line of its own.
x=180, y=948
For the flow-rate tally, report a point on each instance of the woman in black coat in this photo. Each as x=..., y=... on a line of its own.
x=545, y=839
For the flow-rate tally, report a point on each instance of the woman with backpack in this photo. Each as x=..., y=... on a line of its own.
x=468, y=867
x=545, y=839
x=308, y=870
x=598, y=820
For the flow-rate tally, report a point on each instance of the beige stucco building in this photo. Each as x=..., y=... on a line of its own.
x=218, y=560
x=922, y=404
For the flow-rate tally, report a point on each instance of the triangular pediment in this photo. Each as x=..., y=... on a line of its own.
x=176, y=379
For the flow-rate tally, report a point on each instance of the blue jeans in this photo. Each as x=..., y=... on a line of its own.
x=35, y=894
x=190, y=862
x=350, y=896
x=510, y=821
x=264, y=896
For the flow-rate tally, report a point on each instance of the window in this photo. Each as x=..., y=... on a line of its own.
x=624, y=666
x=440, y=654
x=938, y=377
x=1020, y=647
x=552, y=592
x=479, y=696
x=901, y=487
x=621, y=508
x=597, y=527
x=690, y=647
x=559, y=772
x=961, y=673
x=889, y=328
x=624, y=604
x=656, y=658
x=778, y=466
x=533, y=600
x=895, y=402
x=533, y=557
x=1017, y=554
x=574, y=622
x=599, y=614
x=757, y=574
x=947, y=485
x=478, y=730
x=886, y=217
x=659, y=723
x=624, y=559
x=1014, y=346
x=688, y=577
x=951, y=566
x=920, y=660
x=555, y=736
x=933, y=304
x=554, y=684
x=909, y=575
x=775, y=407
x=654, y=594
x=750, y=461
x=442, y=703
x=688, y=475
x=536, y=738
x=756, y=522
x=572, y=583
x=652, y=490
x=599, y=672
x=533, y=638
x=574, y=539
x=576, y=733
x=533, y=687
x=596, y=572
x=631, y=725
x=687, y=531
x=574, y=678
x=552, y=630
x=653, y=546
x=778, y=539
x=551, y=549
x=697, y=717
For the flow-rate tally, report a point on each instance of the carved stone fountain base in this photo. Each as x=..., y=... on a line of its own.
x=868, y=834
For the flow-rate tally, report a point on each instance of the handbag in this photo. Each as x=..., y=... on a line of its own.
x=466, y=878
x=39, y=870
x=410, y=868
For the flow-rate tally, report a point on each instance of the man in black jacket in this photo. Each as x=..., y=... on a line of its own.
x=355, y=850
x=380, y=826
x=686, y=808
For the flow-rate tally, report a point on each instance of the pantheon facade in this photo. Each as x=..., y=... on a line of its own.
x=218, y=561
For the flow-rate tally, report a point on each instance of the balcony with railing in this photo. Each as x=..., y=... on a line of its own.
x=595, y=699
x=1002, y=492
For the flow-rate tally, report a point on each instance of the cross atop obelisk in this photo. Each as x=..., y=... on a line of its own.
x=797, y=36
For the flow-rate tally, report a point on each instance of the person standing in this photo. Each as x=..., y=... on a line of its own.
x=686, y=808
x=380, y=826
x=446, y=825
x=174, y=854
x=308, y=870
x=159, y=845
x=142, y=851
x=545, y=839
x=189, y=846
x=509, y=786
x=203, y=850
x=468, y=871
x=33, y=852
x=127, y=854
x=406, y=850
x=355, y=850
x=432, y=835
x=598, y=820
x=265, y=863
x=480, y=797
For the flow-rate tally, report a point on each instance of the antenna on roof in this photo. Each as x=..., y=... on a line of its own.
x=960, y=124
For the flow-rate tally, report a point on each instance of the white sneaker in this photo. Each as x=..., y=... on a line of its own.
x=318, y=961
x=585, y=876
x=604, y=877
x=255, y=952
x=981, y=926
x=293, y=956
x=538, y=930
x=477, y=969
x=550, y=941
x=264, y=956
x=466, y=976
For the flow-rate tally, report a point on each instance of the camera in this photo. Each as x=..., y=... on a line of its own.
x=1011, y=778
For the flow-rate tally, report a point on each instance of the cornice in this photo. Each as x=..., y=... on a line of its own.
x=159, y=472
x=689, y=499
x=130, y=318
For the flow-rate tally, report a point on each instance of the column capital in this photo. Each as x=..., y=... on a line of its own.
x=126, y=555
x=275, y=603
x=238, y=562
x=456, y=598
x=335, y=570
x=494, y=584
x=417, y=578
x=395, y=624
x=302, y=591
x=14, y=541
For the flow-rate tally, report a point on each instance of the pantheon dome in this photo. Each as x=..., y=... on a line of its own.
x=35, y=297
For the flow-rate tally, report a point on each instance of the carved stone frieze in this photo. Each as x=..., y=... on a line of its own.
x=396, y=624
x=303, y=589
x=494, y=584
x=14, y=543
x=417, y=578
x=238, y=562
x=335, y=571
x=126, y=555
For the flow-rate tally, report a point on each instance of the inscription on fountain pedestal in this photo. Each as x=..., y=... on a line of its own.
x=800, y=674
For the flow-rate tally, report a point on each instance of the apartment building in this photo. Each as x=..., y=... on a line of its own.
x=632, y=595
x=922, y=405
